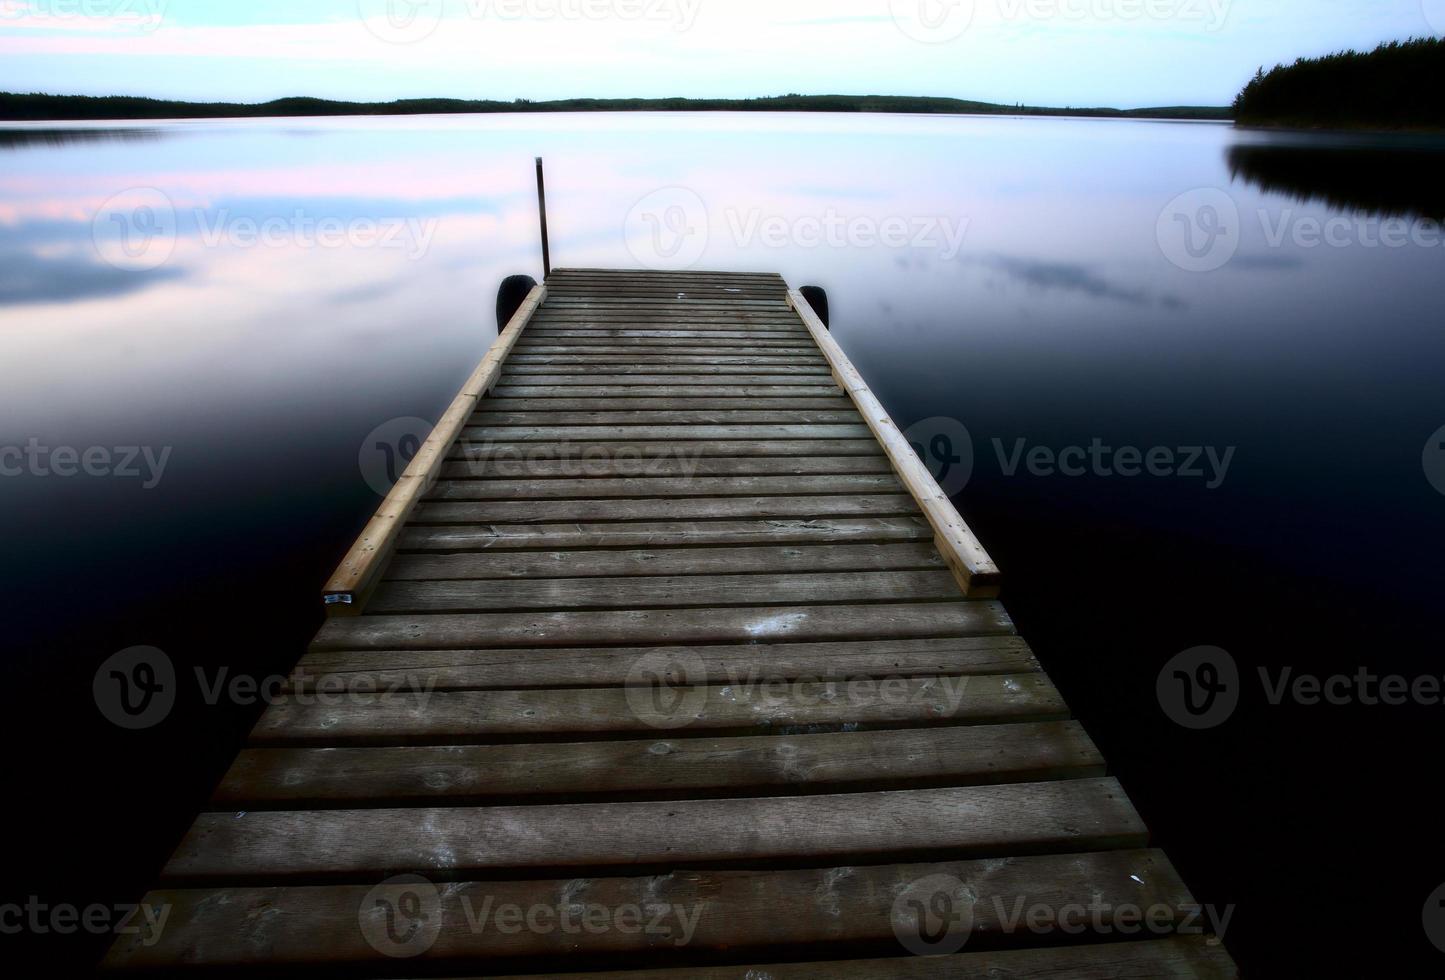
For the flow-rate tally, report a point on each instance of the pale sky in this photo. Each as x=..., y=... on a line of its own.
x=1045, y=52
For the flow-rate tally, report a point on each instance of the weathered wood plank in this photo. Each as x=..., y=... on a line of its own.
x=828, y=401
x=588, y=340
x=705, y=308
x=604, y=301
x=749, y=663
x=639, y=452
x=679, y=390
x=607, y=279
x=892, y=621
x=702, y=318
x=660, y=535
x=783, y=336
x=701, y=289
x=1189, y=957
x=679, y=349
x=664, y=561
x=640, y=432
x=663, y=509
x=657, y=366
x=643, y=487
x=509, y=465
x=729, y=912
x=662, y=291
x=687, y=274
x=889, y=759
x=424, y=717
x=661, y=591
x=449, y=843
x=716, y=416
x=659, y=433
x=715, y=379
x=653, y=562
x=645, y=358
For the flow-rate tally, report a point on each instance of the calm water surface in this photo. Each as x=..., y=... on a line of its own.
x=1033, y=284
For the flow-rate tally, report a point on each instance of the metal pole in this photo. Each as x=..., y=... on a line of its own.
x=542, y=208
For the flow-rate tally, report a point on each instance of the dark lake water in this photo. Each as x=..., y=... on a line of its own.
x=1200, y=371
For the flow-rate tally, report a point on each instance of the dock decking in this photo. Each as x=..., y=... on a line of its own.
x=667, y=656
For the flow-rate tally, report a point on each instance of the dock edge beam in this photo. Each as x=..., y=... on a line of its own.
x=977, y=575
x=360, y=571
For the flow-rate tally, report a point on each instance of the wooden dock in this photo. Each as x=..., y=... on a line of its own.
x=667, y=658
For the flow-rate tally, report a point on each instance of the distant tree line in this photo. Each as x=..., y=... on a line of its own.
x=1397, y=85
x=61, y=107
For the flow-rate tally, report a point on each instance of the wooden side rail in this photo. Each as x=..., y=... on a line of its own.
x=359, y=572
x=976, y=572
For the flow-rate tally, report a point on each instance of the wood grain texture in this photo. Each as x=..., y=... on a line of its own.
x=658, y=767
x=489, y=435
x=586, y=340
x=660, y=534
x=426, y=717
x=537, y=416
x=517, y=465
x=1190, y=957
x=662, y=627
x=672, y=389
x=450, y=843
x=663, y=509
x=734, y=912
x=664, y=562
x=717, y=665
x=641, y=487
x=682, y=449
x=693, y=590
x=834, y=401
